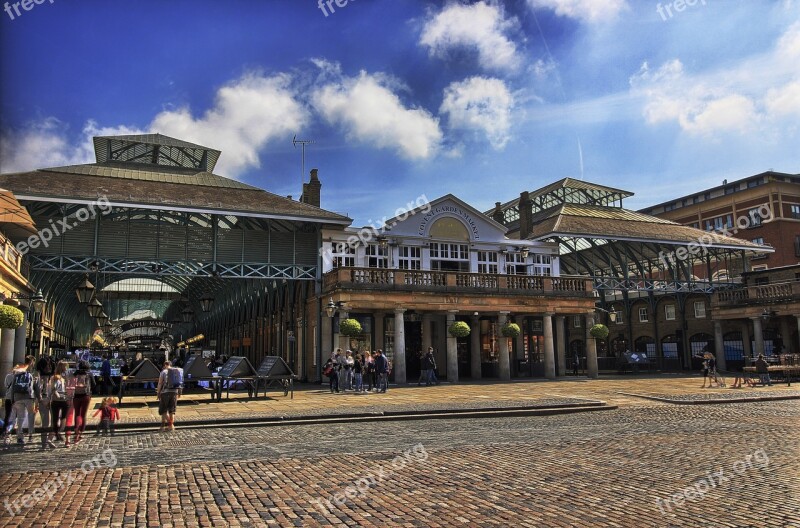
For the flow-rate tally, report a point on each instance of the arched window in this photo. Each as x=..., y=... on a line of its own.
x=449, y=229
x=645, y=344
x=669, y=346
x=701, y=343
x=734, y=346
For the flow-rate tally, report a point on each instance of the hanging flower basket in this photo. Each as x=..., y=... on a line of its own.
x=599, y=331
x=10, y=316
x=459, y=329
x=350, y=327
x=510, y=330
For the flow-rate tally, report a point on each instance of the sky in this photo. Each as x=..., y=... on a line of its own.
x=408, y=98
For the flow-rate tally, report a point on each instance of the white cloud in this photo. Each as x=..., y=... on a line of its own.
x=248, y=113
x=480, y=104
x=47, y=144
x=761, y=91
x=480, y=26
x=370, y=112
x=587, y=10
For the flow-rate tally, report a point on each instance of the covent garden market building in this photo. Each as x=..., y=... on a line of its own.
x=168, y=253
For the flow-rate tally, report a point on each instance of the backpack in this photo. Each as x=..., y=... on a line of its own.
x=22, y=386
x=174, y=378
x=79, y=385
x=58, y=390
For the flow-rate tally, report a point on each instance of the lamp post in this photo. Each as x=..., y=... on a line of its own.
x=206, y=301
x=85, y=290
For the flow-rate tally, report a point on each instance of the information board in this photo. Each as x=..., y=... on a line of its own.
x=237, y=367
x=274, y=367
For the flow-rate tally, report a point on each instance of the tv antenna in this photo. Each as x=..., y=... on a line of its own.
x=303, y=143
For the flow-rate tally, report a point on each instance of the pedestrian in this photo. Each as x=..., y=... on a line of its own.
x=57, y=394
x=44, y=410
x=576, y=362
x=423, y=368
x=382, y=371
x=762, y=369
x=80, y=387
x=108, y=416
x=8, y=403
x=349, y=363
x=341, y=362
x=105, y=374
x=369, y=370
x=330, y=370
x=358, y=371
x=45, y=367
x=25, y=398
x=170, y=385
x=431, y=362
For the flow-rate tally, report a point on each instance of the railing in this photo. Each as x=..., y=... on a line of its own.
x=781, y=291
x=378, y=278
x=10, y=255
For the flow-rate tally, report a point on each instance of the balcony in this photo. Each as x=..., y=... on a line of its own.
x=12, y=259
x=756, y=295
x=454, y=282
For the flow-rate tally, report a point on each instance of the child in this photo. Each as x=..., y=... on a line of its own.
x=108, y=416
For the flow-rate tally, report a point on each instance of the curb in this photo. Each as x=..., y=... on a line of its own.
x=440, y=414
x=716, y=401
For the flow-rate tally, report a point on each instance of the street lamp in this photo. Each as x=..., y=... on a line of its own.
x=206, y=301
x=95, y=308
x=187, y=314
x=612, y=313
x=333, y=307
x=85, y=290
x=102, y=319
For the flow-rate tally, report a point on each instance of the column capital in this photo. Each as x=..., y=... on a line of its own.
x=452, y=311
x=400, y=310
x=504, y=312
x=548, y=314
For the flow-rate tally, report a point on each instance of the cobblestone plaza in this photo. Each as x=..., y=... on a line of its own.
x=642, y=462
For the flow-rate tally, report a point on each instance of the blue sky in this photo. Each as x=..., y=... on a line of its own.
x=481, y=99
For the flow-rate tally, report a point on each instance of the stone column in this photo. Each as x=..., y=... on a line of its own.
x=747, y=347
x=561, y=351
x=326, y=344
x=520, y=340
x=427, y=331
x=549, y=349
x=7, y=338
x=786, y=334
x=591, y=349
x=719, y=346
x=758, y=335
x=452, y=349
x=21, y=333
x=502, y=348
x=475, y=347
x=399, y=346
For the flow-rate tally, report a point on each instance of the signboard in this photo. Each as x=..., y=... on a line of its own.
x=195, y=367
x=274, y=367
x=237, y=367
x=234, y=343
x=247, y=341
x=145, y=370
x=212, y=343
x=145, y=324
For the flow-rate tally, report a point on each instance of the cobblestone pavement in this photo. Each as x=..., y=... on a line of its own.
x=732, y=465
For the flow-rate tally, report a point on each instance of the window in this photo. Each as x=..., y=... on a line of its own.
x=343, y=255
x=377, y=256
x=487, y=262
x=695, y=225
x=759, y=241
x=643, y=315
x=515, y=264
x=576, y=321
x=409, y=258
x=719, y=223
x=669, y=312
x=730, y=189
x=794, y=211
x=753, y=183
x=619, y=319
x=449, y=257
x=542, y=265
x=699, y=310
x=755, y=217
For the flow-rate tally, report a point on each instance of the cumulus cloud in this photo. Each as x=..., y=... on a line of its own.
x=586, y=10
x=480, y=104
x=761, y=91
x=248, y=113
x=480, y=26
x=368, y=109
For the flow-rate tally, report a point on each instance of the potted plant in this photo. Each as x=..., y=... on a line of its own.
x=459, y=329
x=10, y=316
x=510, y=330
x=599, y=331
x=350, y=327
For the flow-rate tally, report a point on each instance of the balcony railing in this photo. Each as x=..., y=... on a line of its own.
x=781, y=291
x=451, y=281
x=12, y=257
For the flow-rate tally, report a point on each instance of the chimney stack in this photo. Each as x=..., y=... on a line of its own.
x=312, y=190
x=525, y=220
x=498, y=215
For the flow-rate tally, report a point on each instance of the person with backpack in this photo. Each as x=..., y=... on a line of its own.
x=25, y=396
x=57, y=394
x=80, y=387
x=170, y=386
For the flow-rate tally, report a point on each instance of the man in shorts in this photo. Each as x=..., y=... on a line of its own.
x=167, y=399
